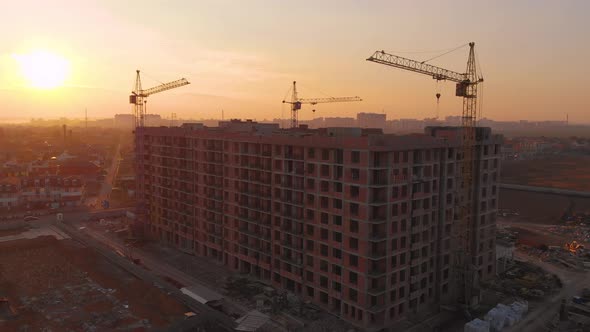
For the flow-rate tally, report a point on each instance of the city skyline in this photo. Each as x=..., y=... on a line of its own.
x=243, y=61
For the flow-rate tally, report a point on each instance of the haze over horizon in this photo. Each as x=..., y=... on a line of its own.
x=243, y=58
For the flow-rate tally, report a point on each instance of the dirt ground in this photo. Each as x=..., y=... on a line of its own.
x=557, y=172
x=540, y=208
x=535, y=239
x=61, y=286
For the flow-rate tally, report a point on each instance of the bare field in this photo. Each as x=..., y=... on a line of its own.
x=61, y=285
x=541, y=208
x=559, y=172
x=536, y=238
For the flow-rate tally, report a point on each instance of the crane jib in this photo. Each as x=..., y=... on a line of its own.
x=437, y=73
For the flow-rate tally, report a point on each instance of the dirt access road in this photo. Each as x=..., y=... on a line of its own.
x=107, y=185
x=573, y=283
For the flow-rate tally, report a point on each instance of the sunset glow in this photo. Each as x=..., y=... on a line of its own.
x=242, y=58
x=42, y=69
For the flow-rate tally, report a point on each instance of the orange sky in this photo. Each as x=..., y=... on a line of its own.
x=242, y=56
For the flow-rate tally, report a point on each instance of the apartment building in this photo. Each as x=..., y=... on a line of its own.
x=359, y=222
x=371, y=120
x=9, y=193
x=51, y=191
x=39, y=192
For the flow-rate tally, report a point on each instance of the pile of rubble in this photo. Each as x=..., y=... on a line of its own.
x=506, y=234
x=61, y=285
x=526, y=281
x=507, y=213
x=87, y=302
x=580, y=233
x=579, y=218
x=570, y=255
x=286, y=310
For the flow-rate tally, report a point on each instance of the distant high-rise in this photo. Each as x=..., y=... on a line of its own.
x=359, y=222
x=124, y=120
x=371, y=120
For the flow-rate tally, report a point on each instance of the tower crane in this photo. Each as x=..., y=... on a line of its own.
x=296, y=103
x=466, y=87
x=139, y=96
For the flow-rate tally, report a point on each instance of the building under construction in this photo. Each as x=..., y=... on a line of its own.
x=361, y=223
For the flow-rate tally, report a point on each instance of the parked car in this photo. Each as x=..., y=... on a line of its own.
x=31, y=218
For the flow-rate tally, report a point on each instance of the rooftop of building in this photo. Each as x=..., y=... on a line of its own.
x=349, y=137
x=11, y=180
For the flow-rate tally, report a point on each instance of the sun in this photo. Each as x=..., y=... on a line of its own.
x=42, y=69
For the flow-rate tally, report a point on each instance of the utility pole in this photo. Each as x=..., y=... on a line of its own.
x=86, y=124
x=64, y=130
x=172, y=119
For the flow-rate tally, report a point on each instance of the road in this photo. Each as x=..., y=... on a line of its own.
x=107, y=185
x=205, y=313
x=546, y=190
x=573, y=283
x=159, y=266
x=156, y=266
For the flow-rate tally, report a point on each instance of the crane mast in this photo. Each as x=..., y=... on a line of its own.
x=466, y=87
x=296, y=103
x=139, y=96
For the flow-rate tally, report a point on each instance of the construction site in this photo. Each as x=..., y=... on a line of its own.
x=49, y=282
x=252, y=226
x=373, y=228
x=268, y=239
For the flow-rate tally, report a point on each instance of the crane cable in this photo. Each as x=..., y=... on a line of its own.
x=306, y=87
x=151, y=77
x=445, y=53
x=283, y=107
x=437, y=98
x=287, y=93
x=423, y=52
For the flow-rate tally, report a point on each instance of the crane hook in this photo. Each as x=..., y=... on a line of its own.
x=437, y=97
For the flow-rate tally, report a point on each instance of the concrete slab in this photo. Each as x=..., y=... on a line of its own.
x=36, y=232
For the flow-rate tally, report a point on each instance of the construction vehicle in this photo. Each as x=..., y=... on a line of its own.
x=139, y=96
x=296, y=103
x=466, y=87
x=573, y=246
x=7, y=311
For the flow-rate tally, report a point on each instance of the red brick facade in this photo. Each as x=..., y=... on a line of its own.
x=360, y=224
